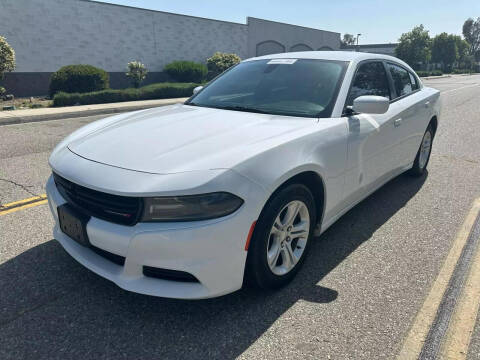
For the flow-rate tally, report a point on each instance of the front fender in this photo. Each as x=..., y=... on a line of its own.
x=323, y=151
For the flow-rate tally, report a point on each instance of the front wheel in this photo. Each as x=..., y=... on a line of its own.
x=281, y=238
x=423, y=154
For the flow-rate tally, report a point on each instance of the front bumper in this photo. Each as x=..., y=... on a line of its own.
x=212, y=251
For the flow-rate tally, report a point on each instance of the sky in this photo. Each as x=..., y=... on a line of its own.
x=379, y=21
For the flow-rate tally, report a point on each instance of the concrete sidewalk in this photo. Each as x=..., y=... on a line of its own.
x=32, y=115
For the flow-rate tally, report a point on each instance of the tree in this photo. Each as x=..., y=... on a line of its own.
x=463, y=47
x=414, y=47
x=348, y=39
x=471, y=33
x=137, y=72
x=444, y=50
x=221, y=62
x=7, y=57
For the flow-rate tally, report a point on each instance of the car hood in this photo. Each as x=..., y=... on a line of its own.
x=184, y=138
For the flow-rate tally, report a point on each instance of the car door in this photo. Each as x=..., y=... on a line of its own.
x=373, y=139
x=411, y=111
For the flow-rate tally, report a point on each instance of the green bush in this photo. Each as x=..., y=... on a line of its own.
x=78, y=79
x=429, y=73
x=187, y=71
x=7, y=57
x=461, y=71
x=137, y=72
x=154, y=91
x=220, y=62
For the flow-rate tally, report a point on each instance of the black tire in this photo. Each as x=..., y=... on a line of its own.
x=417, y=169
x=258, y=272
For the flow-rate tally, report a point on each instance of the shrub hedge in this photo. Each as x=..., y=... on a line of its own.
x=187, y=71
x=153, y=91
x=430, y=73
x=78, y=79
x=462, y=71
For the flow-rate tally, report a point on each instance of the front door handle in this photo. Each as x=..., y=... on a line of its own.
x=397, y=122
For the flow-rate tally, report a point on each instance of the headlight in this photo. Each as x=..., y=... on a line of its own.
x=190, y=207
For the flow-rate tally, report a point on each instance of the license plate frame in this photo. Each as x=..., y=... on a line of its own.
x=73, y=224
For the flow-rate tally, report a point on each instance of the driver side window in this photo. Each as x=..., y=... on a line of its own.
x=370, y=79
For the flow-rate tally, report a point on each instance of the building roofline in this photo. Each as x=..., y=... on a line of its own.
x=160, y=11
x=284, y=23
x=389, y=45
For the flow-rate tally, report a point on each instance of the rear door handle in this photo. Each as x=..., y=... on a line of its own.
x=427, y=104
x=397, y=122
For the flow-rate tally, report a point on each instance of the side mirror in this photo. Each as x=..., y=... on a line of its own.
x=197, y=89
x=369, y=104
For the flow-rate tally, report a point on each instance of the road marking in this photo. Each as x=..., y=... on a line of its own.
x=23, y=204
x=420, y=328
x=460, y=88
x=463, y=321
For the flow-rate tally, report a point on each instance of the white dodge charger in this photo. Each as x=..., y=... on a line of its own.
x=194, y=200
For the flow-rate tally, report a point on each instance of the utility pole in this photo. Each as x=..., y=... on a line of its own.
x=358, y=36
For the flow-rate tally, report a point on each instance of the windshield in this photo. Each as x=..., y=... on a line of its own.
x=292, y=87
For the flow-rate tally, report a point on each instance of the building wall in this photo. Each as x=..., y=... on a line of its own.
x=48, y=34
x=384, y=49
x=265, y=35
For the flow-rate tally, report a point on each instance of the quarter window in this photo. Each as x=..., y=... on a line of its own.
x=401, y=80
x=414, y=81
x=370, y=79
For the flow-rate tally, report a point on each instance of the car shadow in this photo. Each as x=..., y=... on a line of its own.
x=52, y=307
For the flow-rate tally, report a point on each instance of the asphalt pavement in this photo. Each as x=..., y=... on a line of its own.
x=356, y=297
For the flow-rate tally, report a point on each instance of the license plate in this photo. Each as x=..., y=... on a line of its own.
x=73, y=224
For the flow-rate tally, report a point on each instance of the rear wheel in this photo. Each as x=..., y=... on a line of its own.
x=281, y=238
x=423, y=154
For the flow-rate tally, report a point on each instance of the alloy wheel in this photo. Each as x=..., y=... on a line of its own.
x=425, y=149
x=288, y=237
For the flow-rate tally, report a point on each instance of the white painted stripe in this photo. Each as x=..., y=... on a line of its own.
x=460, y=88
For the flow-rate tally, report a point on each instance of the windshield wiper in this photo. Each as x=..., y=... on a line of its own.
x=254, y=110
x=242, y=108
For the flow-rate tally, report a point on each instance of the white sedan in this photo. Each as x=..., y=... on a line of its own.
x=194, y=200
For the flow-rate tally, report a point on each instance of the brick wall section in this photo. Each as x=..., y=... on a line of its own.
x=260, y=31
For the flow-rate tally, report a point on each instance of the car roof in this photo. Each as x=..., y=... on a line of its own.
x=351, y=56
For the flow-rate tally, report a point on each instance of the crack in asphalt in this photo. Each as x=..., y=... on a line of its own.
x=465, y=101
x=23, y=312
x=35, y=307
x=21, y=186
x=454, y=158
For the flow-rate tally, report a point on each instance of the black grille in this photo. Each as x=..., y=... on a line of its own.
x=117, y=259
x=166, y=274
x=113, y=208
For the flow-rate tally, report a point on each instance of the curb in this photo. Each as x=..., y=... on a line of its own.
x=80, y=113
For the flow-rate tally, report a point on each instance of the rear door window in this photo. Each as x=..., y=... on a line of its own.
x=401, y=80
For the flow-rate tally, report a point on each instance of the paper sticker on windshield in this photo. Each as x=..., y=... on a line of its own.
x=282, y=61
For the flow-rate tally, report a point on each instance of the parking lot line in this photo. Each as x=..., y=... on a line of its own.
x=23, y=204
x=463, y=321
x=460, y=88
x=420, y=328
